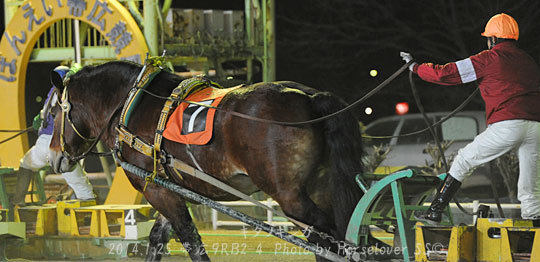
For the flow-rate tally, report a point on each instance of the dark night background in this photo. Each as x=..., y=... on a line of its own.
x=332, y=45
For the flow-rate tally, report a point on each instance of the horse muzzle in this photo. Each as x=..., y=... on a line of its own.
x=59, y=163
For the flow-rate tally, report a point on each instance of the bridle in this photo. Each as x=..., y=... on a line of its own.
x=65, y=105
x=66, y=108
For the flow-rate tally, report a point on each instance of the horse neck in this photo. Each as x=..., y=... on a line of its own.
x=109, y=99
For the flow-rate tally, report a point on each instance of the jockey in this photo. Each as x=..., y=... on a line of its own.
x=36, y=157
x=509, y=81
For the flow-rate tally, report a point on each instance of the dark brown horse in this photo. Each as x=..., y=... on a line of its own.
x=309, y=169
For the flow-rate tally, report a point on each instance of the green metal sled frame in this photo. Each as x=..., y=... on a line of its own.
x=366, y=212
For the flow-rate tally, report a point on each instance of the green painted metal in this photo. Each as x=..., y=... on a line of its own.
x=397, y=194
x=362, y=184
x=4, y=172
x=39, y=190
x=391, y=200
x=134, y=10
x=269, y=65
x=87, y=53
x=165, y=8
x=360, y=213
x=237, y=53
x=250, y=40
x=442, y=176
x=12, y=230
x=150, y=26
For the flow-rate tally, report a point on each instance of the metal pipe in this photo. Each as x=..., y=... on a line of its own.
x=150, y=26
x=265, y=44
x=249, y=36
x=64, y=38
x=99, y=146
x=188, y=194
x=134, y=10
x=166, y=7
x=104, y=163
x=77, y=44
x=70, y=35
x=269, y=69
x=83, y=33
x=161, y=29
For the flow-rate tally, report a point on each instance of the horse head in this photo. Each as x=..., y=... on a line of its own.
x=71, y=135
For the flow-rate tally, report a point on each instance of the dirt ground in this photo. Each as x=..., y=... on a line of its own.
x=238, y=245
x=252, y=246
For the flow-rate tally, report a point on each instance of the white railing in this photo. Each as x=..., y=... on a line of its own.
x=269, y=215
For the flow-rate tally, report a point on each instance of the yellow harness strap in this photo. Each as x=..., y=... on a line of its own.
x=184, y=89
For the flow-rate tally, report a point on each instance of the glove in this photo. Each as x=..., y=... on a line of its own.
x=37, y=122
x=407, y=57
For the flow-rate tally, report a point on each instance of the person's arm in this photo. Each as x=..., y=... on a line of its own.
x=454, y=73
x=49, y=103
x=448, y=74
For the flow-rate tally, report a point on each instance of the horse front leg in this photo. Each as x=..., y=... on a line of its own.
x=189, y=235
x=174, y=215
x=159, y=237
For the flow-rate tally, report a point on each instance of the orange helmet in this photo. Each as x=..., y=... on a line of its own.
x=502, y=26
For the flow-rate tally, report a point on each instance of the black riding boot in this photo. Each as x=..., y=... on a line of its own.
x=446, y=192
x=24, y=176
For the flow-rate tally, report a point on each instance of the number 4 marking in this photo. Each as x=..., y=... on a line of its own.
x=130, y=217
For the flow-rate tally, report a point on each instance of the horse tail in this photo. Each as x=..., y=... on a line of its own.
x=344, y=149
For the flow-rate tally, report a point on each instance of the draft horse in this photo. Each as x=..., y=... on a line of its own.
x=308, y=169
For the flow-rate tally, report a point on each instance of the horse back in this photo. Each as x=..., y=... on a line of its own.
x=253, y=155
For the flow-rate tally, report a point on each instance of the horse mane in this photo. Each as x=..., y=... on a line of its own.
x=333, y=146
x=96, y=80
x=107, y=85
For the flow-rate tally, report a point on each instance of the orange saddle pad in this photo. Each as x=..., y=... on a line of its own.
x=191, y=123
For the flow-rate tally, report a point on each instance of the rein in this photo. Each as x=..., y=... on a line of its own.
x=66, y=108
x=161, y=157
x=451, y=114
x=19, y=132
x=299, y=123
x=178, y=95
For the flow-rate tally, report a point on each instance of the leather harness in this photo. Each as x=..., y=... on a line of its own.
x=183, y=90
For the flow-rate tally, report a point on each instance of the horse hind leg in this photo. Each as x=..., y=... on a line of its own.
x=300, y=207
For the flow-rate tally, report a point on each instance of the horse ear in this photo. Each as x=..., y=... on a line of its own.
x=56, y=80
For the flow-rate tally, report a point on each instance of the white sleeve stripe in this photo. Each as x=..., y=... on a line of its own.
x=466, y=70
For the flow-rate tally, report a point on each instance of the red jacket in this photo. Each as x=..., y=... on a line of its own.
x=509, y=81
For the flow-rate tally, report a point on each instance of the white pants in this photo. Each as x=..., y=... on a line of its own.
x=77, y=179
x=498, y=139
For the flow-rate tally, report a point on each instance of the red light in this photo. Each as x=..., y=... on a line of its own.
x=402, y=108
